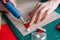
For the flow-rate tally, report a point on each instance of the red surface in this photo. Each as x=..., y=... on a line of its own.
x=40, y=31
x=27, y=25
x=58, y=27
x=6, y=33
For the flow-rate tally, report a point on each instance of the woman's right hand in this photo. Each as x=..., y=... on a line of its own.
x=2, y=8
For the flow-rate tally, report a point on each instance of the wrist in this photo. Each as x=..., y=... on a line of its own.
x=54, y=0
x=58, y=1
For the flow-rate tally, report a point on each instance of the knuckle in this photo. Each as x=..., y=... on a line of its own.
x=41, y=11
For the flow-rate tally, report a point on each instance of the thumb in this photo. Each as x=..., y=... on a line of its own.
x=13, y=2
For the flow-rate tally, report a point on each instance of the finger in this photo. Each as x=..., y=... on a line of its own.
x=42, y=5
x=38, y=16
x=44, y=16
x=2, y=8
x=33, y=19
x=44, y=9
x=13, y=3
x=49, y=11
x=35, y=8
x=31, y=13
x=34, y=16
x=41, y=13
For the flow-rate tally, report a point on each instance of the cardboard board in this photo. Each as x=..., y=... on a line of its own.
x=25, y=8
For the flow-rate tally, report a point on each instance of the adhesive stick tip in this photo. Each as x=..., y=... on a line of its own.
x=28, y=29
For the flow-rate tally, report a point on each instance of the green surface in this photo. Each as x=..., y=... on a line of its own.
x=43, y=0
x=58, y=9
x=52, y=32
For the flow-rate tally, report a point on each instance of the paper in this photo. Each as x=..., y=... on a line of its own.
x=25, y=8
x=6, y=33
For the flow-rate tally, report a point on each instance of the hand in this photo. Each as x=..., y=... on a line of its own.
x=41, y=11
x=2, y=8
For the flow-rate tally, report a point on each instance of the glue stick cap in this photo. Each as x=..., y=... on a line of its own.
x=28, y=29
x=27, y=25
x=40, y=32
x=58, y=27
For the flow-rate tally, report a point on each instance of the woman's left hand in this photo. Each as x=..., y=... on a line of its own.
x=41, y=11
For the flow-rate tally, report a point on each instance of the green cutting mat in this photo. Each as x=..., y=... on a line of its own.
x=52, y=32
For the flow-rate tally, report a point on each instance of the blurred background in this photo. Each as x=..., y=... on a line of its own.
x=21, y=1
